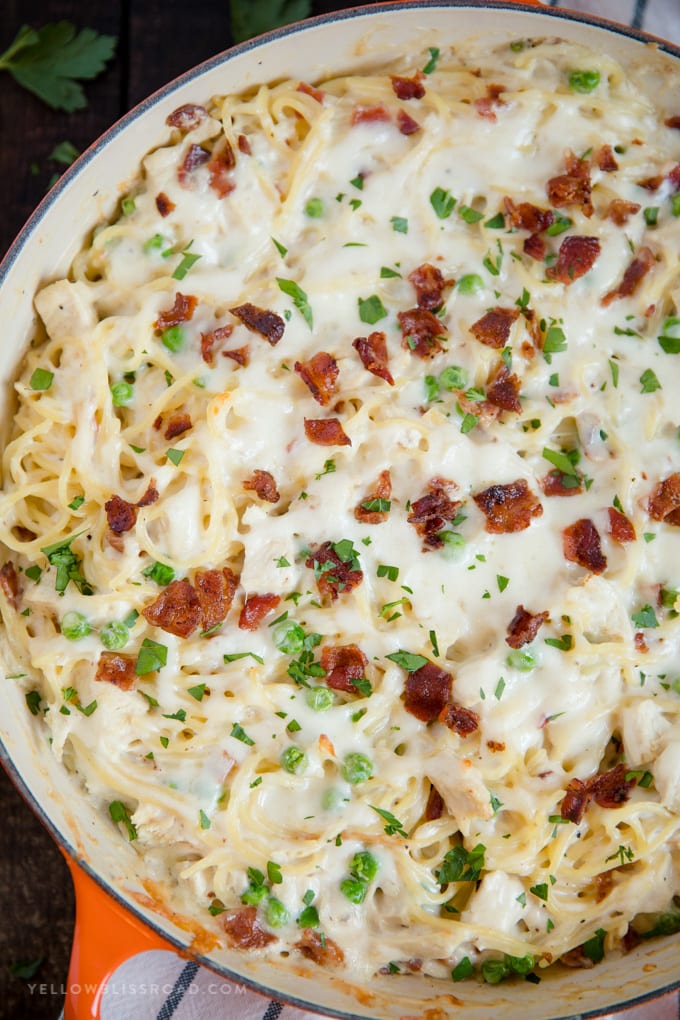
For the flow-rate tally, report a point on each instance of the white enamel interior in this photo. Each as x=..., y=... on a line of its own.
x=87, y=194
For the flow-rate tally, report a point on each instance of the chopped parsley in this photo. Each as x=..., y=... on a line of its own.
x=371, y=309
x=299, y=298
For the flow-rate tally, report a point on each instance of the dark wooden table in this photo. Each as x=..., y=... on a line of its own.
x=157, y=39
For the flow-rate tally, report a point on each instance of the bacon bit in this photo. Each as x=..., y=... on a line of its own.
x=215, y=590
x=619, y=211
x=534, y=330
x=604, y=884
x=343, y=664
x=177, y=610
x=120, y=515
x=651, y=183
x=196, y=156
x=606, y=160
x=372, y=350
x=524, y=627
x=493, y=329
x=309, y=90
x=320, y=374
x=241, y=355
x=640, y=642
x=609, y=789
x=382, y=490
x=430, y=514
x=326, y=746
x=526, y=216
x=150, y=496
x=504, y=390
x=495, y=745
x=264, y=485
x=242, y=928
x=255, y=608
x=574, y=802
x=181, y=311
x=664, y=503
x=259, y=320
x=575, y=258
x=508, y=508
x=333, y=575
x=462, y=721
x=429, y=284
x=673, y=122
x=620, y=528
x=406, y=124
x=484, y=106
x=554, y=484
x=326, y=432
x=369, y=114
x=581, y=544
x=421, y=332
x=674, y=177
x=408, y=88
x=186, y=118
x=115, y=669
x=320, y=949
x=435, y=805
x=535, y=247
x=177, y=425
x=576, y=958
x=9, y=582
x=427, y=691
x=211, y=339
x=572, y=188
x=632, y=277
x=220, y=165
x=164, y=204
x=630, y=940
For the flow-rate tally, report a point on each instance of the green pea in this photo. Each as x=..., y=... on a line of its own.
x=525, y=659
x=354, y=889
x=454, y=377
x=470, y=284
x=173, y=338
x=289, y=637
x=333, y=799
x=314, y=208
x=276, y=913
x=294, y=760
x=453, y=544
x=114, y=635
x=364, y=866
x=122, y=394
x=584, y=81
x=319, y=698
x=74, y=626
x=356, y=768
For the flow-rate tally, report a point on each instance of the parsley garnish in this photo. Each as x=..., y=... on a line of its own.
x=41, y=379
x=432, y=62
x=151, y=657
x=239, y=733
x=461, y=865
x=393, y=827
x=294, y=291
x=371, y=309
x=119, y=813
x=61, y=556
x=645, y=617
x=189, y=259
x=248, y=19
x=407, y=660
x=235, y=656
x=649, y=381
x=399, y=224
x=443, y=203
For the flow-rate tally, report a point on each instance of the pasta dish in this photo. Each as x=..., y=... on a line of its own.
x=340, y=519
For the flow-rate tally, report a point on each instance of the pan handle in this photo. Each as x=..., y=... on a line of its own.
x=105, y=936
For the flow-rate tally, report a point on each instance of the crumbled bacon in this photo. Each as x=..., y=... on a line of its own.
x=422, y=332
x=369, y=114
x=242, y=928
x=220, y=165
x=462, y=721
x=320, y=948
x=9, y=582
x=619, y=211
x=485, y=105
x=243, y=145
x=381, y=490
x=408, y=88
x=210, y=340
x=150, y=496
x=493, y=329
x=508, y=508
x=620, y=528
x=427, y=692
x=260, y=320
x=640, y=642
x=581, y=544
x=182, y=310
x=263, y=483
x=334, y=576
x=176, y=425
x=255, y=608
x=572, y=188
x=664, y=503
x=651, y=183
x=326, y=432
x=186, y=118
x=177, y=610
x=320, y=375
x=555, y=483
x=534, y=246
x=604, y=884
x=524, y=627
x=215, y=590
x=495, y=745
x=372, y=350
x=606, y=160
x=196, y=156
x=435, y=805
x=609, y=789
x=504, y=390
x=429, y=284
x=120, y=515
x=343, y=664
x=576, y=957
x=673, y=122
x=525, y=216
x=632, y=277
x=430, y=514
x=164, y=204
x=116, y=669
x=575, y=801
x=673, y=177
x=406, y=124
x=575, y=258
x=241, y=355
x=309, y=90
